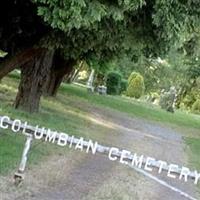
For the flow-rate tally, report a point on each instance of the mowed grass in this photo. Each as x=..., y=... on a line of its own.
x=56, y=115
x=11, y=148
x=64, y=113
x=194, y=144
x=134, y=108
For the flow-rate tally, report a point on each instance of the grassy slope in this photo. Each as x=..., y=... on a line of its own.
x=59, y=114
x=135, y=108
x=53, y=114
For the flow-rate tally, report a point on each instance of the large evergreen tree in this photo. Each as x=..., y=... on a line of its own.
x=70, y=30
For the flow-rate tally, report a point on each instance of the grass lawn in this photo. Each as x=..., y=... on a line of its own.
x=194, y=144
x=134, y=108
x=54, y=113
x=62, y=114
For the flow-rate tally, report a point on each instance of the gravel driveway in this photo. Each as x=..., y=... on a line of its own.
x=77, y=175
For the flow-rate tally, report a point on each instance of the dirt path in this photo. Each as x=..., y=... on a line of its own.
x=78, y=175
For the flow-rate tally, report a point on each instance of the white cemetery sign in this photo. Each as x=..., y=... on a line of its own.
x=138, y=162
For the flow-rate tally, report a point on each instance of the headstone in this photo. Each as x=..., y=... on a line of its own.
x=168, y=99
x=102, y=89
x=90, y=81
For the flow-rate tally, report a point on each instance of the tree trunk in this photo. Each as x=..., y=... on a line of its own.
x=60, y=69
x=53, y=84
x=33, y=81
x=20, y=59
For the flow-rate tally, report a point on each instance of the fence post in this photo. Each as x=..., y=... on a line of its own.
x=19, y=175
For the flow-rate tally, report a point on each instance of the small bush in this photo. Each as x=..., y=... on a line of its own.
x=196, y=106
x=191, y=97
x=135, y=85
x=113, y=83
x=124, y=84
x=132, y=76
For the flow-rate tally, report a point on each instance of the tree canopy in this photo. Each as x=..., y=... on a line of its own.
x=144, y=23
x=101, y=27
x=99, y=30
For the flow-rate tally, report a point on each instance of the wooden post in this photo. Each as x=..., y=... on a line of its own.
x=19, y=175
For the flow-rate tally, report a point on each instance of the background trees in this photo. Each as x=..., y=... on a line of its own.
x=129, y=35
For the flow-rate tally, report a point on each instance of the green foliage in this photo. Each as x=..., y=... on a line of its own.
x=124, y=85
x=190, y=98
x=158, y=73
x=191, y=84
x=132, y=76
x=168, y=17
x=67, y=15
x=193, y=72
x=97, y=30
x=113, y=83
x=109, y=26
x=101, y=68
x=135, y=85
x=88, y=28
x=196, y=106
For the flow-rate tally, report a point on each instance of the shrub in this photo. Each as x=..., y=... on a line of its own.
x=192, y=96
x=113, y=83
x=196, y=106
x=135, y=85
x=124, y=84
x=132, y=76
